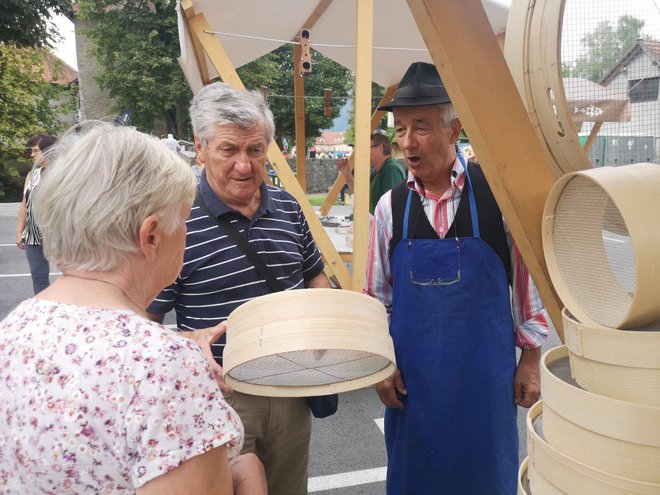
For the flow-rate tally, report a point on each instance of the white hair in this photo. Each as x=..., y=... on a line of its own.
x=219, y=104
x=100, y=186
x=447, y=114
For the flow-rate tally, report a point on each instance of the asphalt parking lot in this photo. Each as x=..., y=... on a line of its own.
x=347, y=453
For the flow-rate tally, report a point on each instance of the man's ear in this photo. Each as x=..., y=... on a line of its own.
x=456, y=127
x=199, y=149
x=150, y=237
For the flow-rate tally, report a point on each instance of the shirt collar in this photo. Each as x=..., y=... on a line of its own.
x=219, y=207
x=414, y=183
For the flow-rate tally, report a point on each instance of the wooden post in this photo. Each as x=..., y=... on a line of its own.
x=460, y=38
x=592, y=136
x=216, y=53
x=363, y=70
x=340, y=181
x=299, y=99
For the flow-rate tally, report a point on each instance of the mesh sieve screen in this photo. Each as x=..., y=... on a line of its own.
x=309, y=368
x=594, y=252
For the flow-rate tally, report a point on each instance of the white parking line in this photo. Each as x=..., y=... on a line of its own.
x=9, y=275
x=342, y=480
x=351, y=478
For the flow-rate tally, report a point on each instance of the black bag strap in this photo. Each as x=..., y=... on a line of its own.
x=242, y=244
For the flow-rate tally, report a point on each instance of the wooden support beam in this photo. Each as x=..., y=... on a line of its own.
x=216, y=53
x=340, y=181
x=315, y=15
x=460, y=38
x=188, y=10
x=299, y=102
x=363, y=71
x=592, y=136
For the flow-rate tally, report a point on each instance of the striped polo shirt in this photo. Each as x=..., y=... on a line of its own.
x=216, y=276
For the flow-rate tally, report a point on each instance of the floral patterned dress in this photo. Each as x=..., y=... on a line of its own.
x=101, y=401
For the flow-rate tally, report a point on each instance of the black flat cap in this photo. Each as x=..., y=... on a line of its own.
x=420, y=86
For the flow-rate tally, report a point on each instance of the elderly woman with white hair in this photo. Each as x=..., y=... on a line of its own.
x=96, y=398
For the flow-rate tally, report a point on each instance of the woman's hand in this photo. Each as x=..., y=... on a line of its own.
x=19, y=240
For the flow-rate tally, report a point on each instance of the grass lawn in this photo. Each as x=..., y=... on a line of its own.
x=317, y=199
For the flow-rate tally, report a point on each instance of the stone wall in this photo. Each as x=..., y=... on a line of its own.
x=321, y=173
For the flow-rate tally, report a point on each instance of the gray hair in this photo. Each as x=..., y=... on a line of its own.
x=219, y=104
x=447, y=114
x=100, y=186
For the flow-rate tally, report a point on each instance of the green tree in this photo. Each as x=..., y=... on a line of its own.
x=29, y=104
x=24, y=23
x=377, y=93
x=275, y=70
x=605, y=45
x=136, y=44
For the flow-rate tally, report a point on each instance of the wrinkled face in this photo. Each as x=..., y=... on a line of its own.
x=427, y=145
x=235, y=161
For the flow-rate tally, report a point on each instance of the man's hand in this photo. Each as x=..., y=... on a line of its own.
x=388, y=389
x=527, y=379
x=204, y=338
x=342, y=166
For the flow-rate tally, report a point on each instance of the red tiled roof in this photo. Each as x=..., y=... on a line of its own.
x=65, y=73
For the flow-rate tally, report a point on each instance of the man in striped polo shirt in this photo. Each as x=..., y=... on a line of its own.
x=232, y=132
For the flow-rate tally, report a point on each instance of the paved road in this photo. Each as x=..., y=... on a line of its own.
x=347, y=453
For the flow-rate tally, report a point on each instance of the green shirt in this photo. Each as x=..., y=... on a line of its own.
x=382, y=181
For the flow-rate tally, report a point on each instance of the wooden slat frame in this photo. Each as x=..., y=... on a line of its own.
x=460, y=38
x=299, y=108
x=197, y=25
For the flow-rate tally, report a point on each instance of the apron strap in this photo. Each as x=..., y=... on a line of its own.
x=473, y=203
x=406, y=215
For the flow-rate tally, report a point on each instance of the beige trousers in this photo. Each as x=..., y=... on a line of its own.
x=278, y=431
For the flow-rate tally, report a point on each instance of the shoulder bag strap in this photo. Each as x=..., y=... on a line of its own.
x=243, y=244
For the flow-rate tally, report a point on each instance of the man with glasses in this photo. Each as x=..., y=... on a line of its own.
x=387, y=171
x=444, y=264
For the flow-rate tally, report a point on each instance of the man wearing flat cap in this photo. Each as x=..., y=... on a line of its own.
x=444, y=264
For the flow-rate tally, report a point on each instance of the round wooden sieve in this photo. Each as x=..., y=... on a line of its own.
x=619, y=364
x=567, y=475
x=601, y=232
x=618, y=437
x=302, y=343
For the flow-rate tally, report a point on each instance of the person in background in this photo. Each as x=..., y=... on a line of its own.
x=28, y=235
x=96, y=398
x=460, y=297
x=387, y=170
x=172, y=143
x=232, y=131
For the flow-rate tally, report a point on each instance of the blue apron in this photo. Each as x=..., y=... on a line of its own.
x=454, y=340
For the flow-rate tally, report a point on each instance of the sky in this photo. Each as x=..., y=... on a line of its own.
x=66, y=49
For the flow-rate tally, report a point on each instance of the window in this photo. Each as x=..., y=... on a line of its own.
x=643, y=89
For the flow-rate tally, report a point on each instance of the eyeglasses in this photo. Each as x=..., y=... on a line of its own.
x=448, y=269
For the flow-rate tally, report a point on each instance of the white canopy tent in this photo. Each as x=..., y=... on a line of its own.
x=255, y=28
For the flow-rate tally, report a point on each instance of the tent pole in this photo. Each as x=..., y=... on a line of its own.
x=363, y=73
